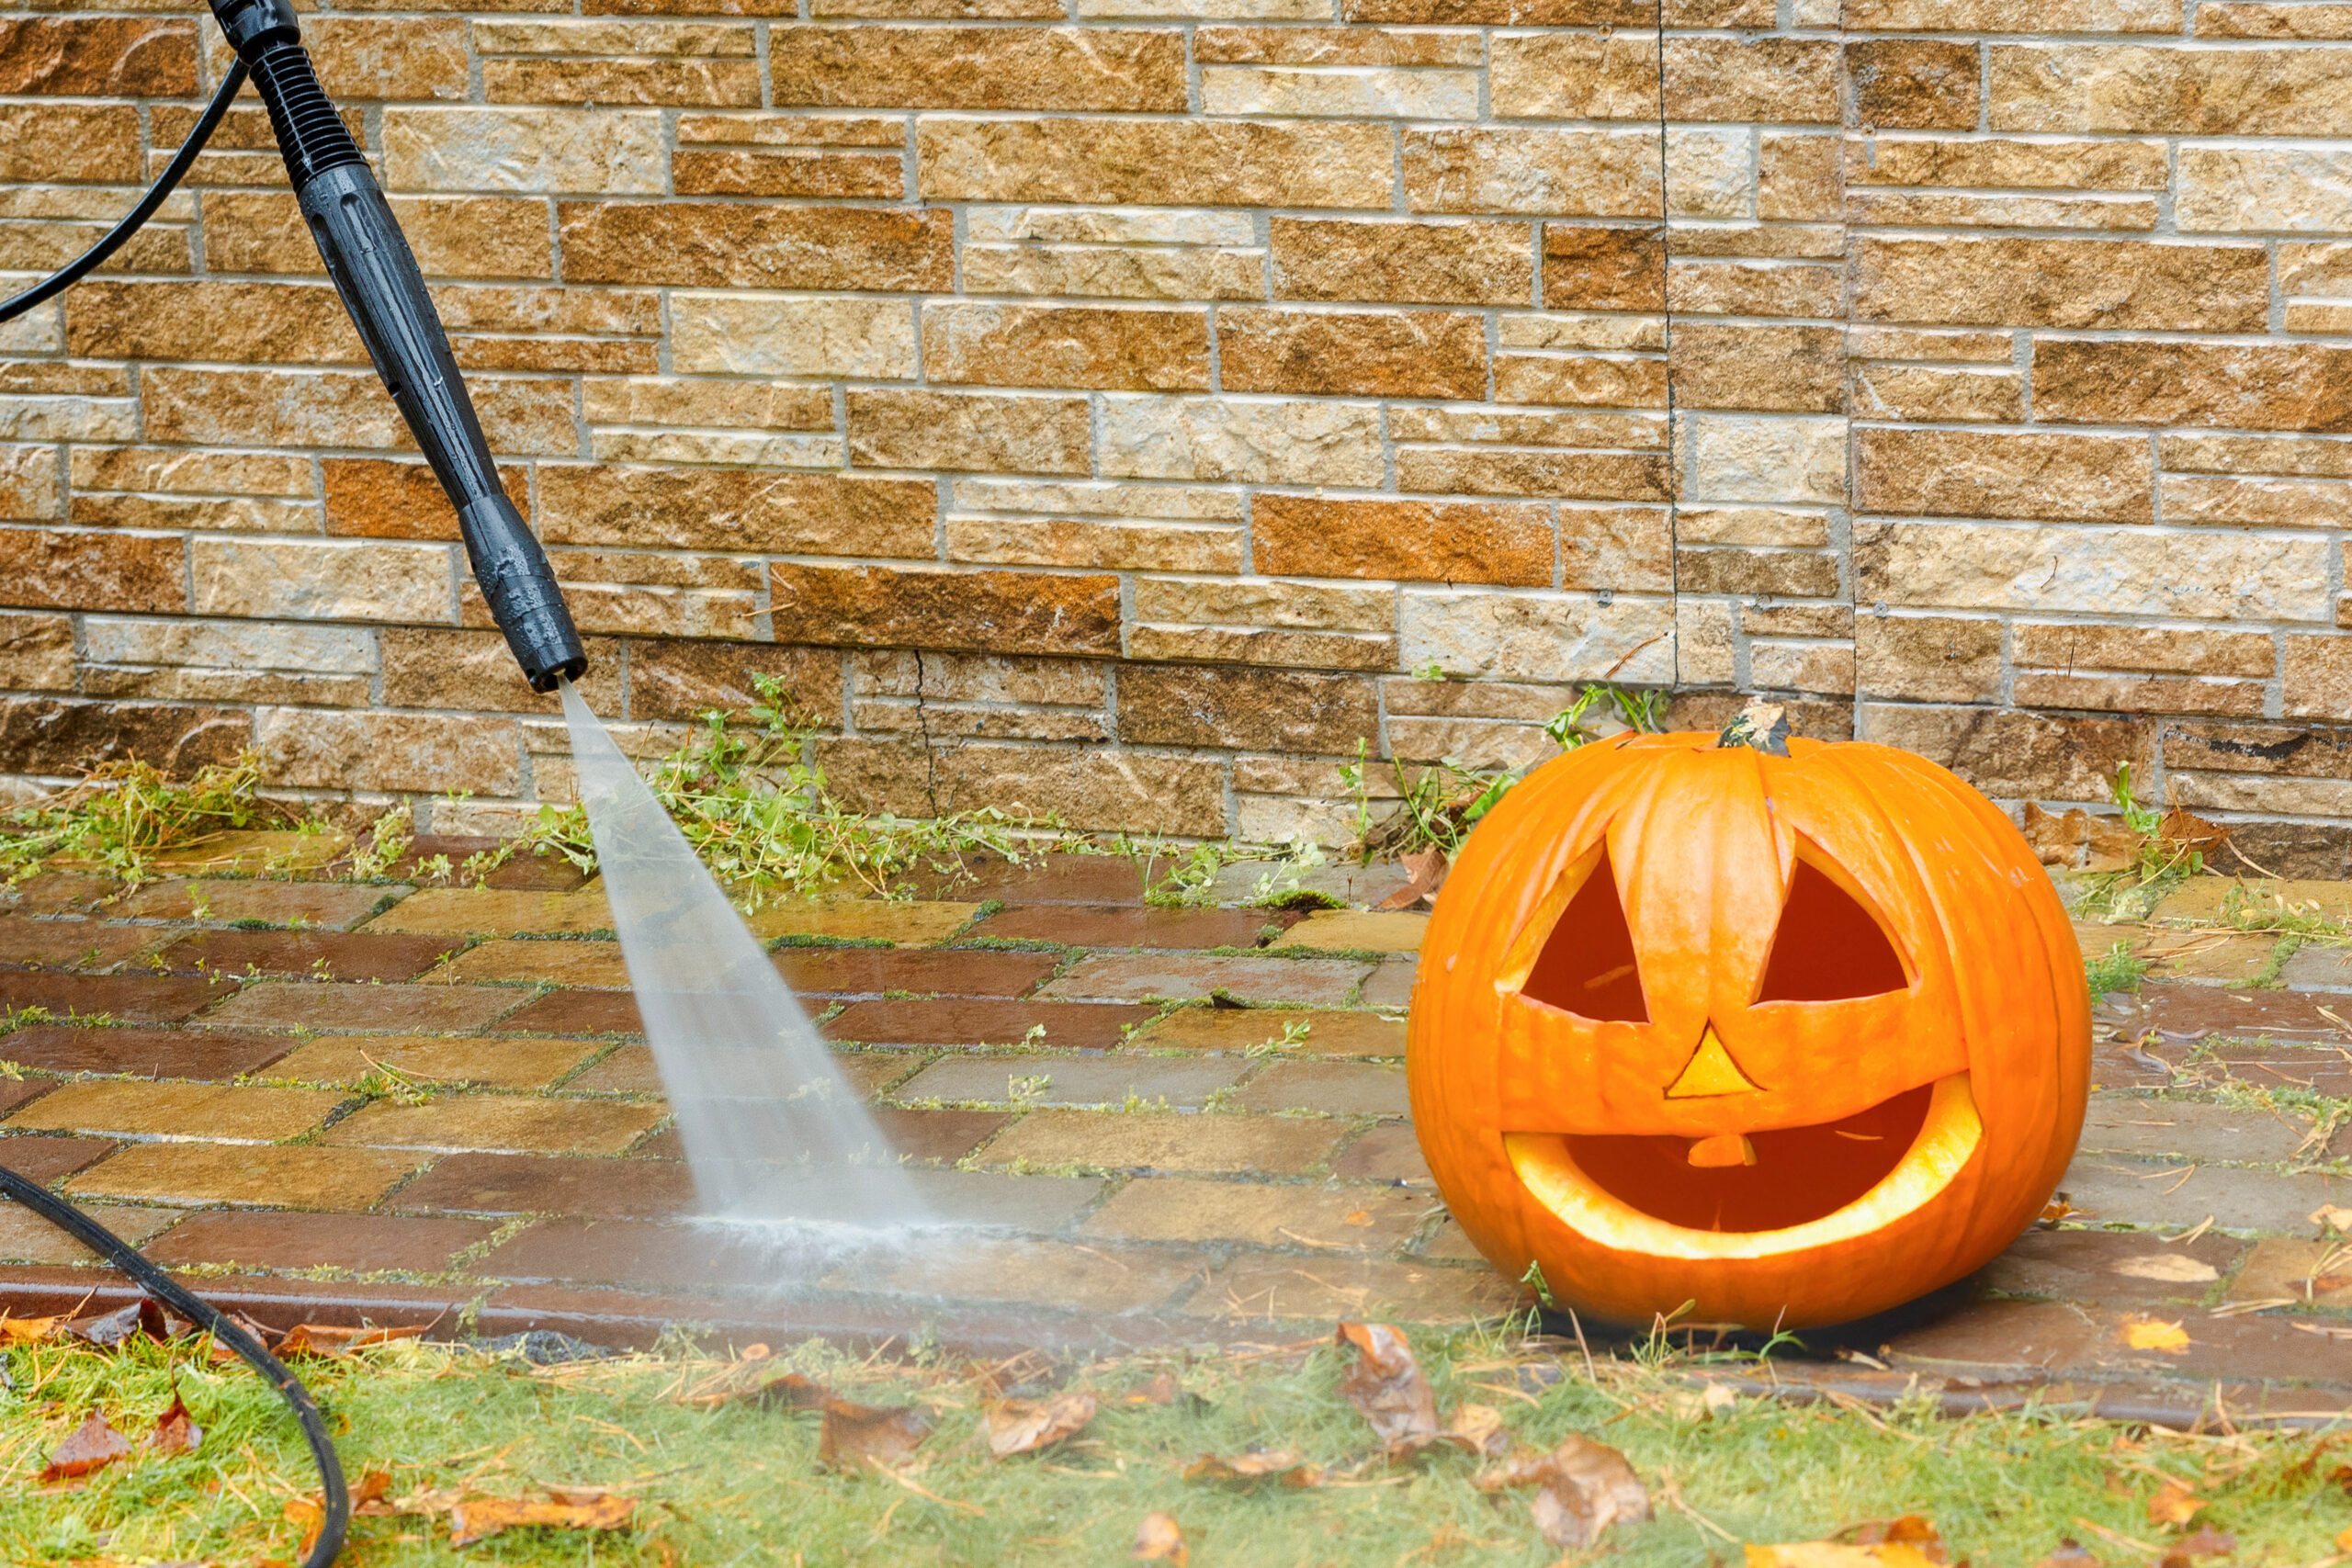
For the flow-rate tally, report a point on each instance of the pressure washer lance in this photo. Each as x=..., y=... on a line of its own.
x=368, y=259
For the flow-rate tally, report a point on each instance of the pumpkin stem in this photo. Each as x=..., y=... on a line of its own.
x=1760, y=725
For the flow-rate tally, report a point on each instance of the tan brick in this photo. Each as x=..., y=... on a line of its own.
x=2262, y=502
x=388, y=59
x=1117, y=69
x=1603, y=269
x=1983, y=474
x=1403, y=540
x=786, y=172
x=1549, y=75
x=319, y=580
x=36, y=653
x=1559, y=174
x=1220, y=162
x=1929, y=394
x=2246, y=387
x=69, y=142
x=2158, y=649
x=519, y=1123
x=1046, y=345
x=2170, y=91
x=1784, y=80
x=1423, y=353
x=1011, y=433
x=1250, y=440
x=1362, y=92
x=734, y=510
x=58, y=568
x=1914, y=83
x=691, y=84
x=1574, y=476
x=2061, y=283
x=1798, y=370
x=435, y=667
x=572, y=150
x=2007, y=163
x=254, y=322
x=1113, y=791
x=2014, y=15
x=700, y=244
x=1167, y=1141
x=1252, y=709
x=134, y=1109
x=112, y=57
x=1433, y=263
x=996, y=612
x=263, y=1174
x=2213, y=575
x=1927, y=659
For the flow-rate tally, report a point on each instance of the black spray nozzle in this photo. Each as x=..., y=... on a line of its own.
x=370, y=261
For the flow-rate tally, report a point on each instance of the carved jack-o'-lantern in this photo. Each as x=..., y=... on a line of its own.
x=1794, y=1032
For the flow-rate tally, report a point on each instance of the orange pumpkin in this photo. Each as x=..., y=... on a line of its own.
x=1790, y=1031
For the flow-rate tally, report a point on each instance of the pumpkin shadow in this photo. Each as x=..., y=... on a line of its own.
x=1824, y=1344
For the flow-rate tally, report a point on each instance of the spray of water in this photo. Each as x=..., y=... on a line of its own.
x=773, y=1132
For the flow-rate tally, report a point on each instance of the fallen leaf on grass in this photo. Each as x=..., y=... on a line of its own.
x=310, y=1518
x=869, y=1434
x=2150, y=1333
x=1158, y=1540
x=1024, y=1425
x=1583, y=1488
x=2207, y=1543
x=1909, y=1542
x=1479, y=1429
x=1259, y=1464
x=176, y=1431
x=1388, y=1388
x=2173, y=1504
x=2343, y=1541
x=327, y=1339
x=566, y=1508
x=106, y=1330
x=94, y=1443
x=28, y=1330
x=2070, y=1554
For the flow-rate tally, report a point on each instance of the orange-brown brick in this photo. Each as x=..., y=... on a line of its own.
x=995, y=611
x=1424, y=541
x=1405, y=354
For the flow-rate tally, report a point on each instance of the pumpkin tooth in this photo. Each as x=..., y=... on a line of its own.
x=1722, y=1151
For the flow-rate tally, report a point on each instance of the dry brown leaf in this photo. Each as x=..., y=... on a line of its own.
x=2173, y=1504
x=327, y=1339
x=1388, y=1388
x=2151, y=1333
x=1158, y=1540
x=29, y=1330
x=869, y=1434
x=91, y=1446
x=1839, y=1554
x=2070, y=1554
x=565, y=1508
x=1259, y=1464
x=2056, y=1210
x=106, y=1330
x=2333, y=1216
x=176, y=1431
x=2207, y=1543
x=787, y=1390
x=1024, y=1425
x=1479, y=1429
x=1160, y=1388
x=2343, y=1541
x=1583, y=1487
x=369, y=1492
x=310, y=1518
x=1426, y=871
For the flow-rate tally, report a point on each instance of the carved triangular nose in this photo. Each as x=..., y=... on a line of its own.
x=1711, y=1072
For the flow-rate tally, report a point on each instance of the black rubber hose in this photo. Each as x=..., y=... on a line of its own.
x=337, y=1513
x=89, y=261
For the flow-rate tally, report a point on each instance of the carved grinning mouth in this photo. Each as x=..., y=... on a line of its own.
x=1807, y=1185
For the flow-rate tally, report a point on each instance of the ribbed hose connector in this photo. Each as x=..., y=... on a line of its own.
x=311, y=135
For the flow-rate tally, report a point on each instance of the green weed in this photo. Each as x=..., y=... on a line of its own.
x=125, y=814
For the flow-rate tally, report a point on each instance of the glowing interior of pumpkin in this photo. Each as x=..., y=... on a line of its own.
x=1758, y=1189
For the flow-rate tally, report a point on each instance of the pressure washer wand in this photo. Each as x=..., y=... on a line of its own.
x=369, y=261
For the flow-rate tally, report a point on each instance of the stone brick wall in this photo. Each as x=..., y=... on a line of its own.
x=1120, y=407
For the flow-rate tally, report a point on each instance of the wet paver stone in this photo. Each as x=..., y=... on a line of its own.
x=1183, y=1124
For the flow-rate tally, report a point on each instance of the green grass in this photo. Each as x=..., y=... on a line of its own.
x=2115, y=970
x=740, y=1485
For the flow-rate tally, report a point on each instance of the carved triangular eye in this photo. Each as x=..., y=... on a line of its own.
x=1586, y=967
x=1828, y=947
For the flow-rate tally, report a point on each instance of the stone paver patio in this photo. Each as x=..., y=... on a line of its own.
x=1170, y=1161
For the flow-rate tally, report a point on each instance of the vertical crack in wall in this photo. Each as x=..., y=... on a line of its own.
x=922, y=732
x=1666, y=319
